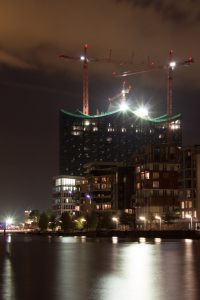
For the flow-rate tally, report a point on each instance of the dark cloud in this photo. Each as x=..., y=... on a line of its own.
x=176, y=11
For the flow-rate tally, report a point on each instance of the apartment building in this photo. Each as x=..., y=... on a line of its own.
x=156, y=179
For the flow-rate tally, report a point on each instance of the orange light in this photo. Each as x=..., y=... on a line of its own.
x=109, y=99
x=129, y=87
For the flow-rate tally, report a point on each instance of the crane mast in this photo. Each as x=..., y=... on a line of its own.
x=85, y=84
x=169, y=99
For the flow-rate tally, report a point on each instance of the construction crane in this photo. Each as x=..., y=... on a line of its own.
x=170, y=67
x=124, y=91
x=85, y=60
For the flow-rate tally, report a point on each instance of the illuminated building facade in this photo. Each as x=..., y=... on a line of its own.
x=189, y=184
x=156, y=180
x=66, y=194
x=98, y=175
x=109, y=137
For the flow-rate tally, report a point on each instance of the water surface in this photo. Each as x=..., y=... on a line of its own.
x=42, y=267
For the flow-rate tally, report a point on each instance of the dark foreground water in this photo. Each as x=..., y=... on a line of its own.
x=35, y=267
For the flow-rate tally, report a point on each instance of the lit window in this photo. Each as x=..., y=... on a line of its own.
x=156, y=184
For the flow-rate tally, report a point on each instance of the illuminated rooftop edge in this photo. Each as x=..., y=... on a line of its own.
x=80, y=114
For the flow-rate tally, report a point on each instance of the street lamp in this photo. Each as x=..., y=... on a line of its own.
x=116, y=220
x=188, y=216
x=142, y=218
x=159, y=218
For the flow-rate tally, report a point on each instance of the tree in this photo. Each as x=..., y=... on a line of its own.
x=92, y=220
x=49, y=213
x=65, y=221
x=79, y=223
x=106, y=221
x=168, y=218
x=124, y=219
x=35, y=215
x=52, y=222
x=43, y=222
x=150, y=218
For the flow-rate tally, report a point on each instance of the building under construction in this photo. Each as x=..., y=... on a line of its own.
x=109, y=137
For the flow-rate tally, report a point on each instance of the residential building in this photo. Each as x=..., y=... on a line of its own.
x=98, y=175
x=156, y=179
x=189, y=183
x=66, y=194
x=109, y=137
x=122, y=186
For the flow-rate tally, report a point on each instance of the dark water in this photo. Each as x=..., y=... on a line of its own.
x=35, y=267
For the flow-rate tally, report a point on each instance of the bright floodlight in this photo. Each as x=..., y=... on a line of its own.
x=142, y=218
x=9, y=221
x=124, y=106
x=82, y=57
x=114, y=219
x=143, y=111
x=172, y=64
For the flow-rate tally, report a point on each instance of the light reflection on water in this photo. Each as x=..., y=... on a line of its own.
x=34, y=267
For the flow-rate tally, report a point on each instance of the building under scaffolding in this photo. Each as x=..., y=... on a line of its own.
x=109, y=137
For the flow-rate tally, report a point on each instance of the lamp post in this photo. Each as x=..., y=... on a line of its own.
x=142, y=218
x=159, y=218
x=188, y=216
x=116, y=220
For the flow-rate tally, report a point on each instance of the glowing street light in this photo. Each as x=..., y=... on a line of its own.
x=116, y=220
x=159, y=218
x=9, y=221
x=188, y=216
x=143, y=219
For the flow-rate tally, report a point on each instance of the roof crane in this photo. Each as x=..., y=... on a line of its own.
x=124, y=91
x=170, y=67
x=85, y=60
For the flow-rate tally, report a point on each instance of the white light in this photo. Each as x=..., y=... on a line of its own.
x=188, y=216
x=123, y=91
x=82, y=57
x=172, y=64
x=9, y=221
x=87, y=123
x=142, y=218
x=124, y=106
x=114, y=219
x=141, y=112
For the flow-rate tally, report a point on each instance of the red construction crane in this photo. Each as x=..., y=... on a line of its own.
x=170, y=66
x=85, y=60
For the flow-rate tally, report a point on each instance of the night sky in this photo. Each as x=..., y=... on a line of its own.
x=35, y=83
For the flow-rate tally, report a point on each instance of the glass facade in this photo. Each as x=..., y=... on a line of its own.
x=111, y=137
